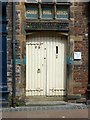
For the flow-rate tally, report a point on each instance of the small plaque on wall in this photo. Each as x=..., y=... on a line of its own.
x=77, y=55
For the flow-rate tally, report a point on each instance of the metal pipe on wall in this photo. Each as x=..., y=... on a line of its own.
x=13, y=55
x=3, y=56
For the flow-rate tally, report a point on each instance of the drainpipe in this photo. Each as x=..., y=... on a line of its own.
x=13, y=55
x=3, y=56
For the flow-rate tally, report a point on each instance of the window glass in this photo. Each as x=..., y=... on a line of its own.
x=17, y=3
x=47, y=12
x=47, y=0
x=31, y=1
x=31, y=12
x=62, y=13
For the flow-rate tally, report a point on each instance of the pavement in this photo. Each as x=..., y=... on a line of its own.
x=47, y=114
x=54, y=109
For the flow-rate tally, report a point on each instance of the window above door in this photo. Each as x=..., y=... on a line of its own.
x=62, y=12
x=48, y=11
x=31, y=12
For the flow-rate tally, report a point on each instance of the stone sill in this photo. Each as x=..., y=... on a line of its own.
x=77, y=62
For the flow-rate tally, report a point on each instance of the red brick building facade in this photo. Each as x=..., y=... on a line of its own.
x=77, y=36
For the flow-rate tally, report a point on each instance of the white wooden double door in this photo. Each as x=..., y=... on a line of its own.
x=45, y=65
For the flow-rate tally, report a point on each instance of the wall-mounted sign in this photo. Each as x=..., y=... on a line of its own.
x=77, y=55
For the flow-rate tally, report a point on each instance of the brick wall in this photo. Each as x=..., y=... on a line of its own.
x=80, y=37
x=19, y=49
x=9, y=46
x=21, y=38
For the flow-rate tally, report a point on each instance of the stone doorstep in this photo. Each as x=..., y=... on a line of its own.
x=77, y=101
x=55, y=100
x=44, y=98
x=82, y=100
x=46, y=103
x=88, y=102
x=74, y=97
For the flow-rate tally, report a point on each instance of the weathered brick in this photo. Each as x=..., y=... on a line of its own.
x=79, y=90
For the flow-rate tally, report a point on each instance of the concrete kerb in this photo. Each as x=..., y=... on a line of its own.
x=68, y=106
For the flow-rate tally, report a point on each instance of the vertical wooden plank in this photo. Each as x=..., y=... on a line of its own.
x=29, y=69
x=55, y=64
x=56, y=57
x=32, y=67
x=26, y=70
x=59, y=64
x=48, y=68
x=44, y=66
x=65, y=64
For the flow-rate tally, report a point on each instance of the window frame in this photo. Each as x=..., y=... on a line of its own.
x=62, y=8
x=52, y=11
x=37, y=8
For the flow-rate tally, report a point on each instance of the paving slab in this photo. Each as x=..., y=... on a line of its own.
x=47, y=114
x=48, y=110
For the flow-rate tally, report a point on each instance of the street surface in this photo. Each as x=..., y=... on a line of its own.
x=47, y=111
x=48, y=114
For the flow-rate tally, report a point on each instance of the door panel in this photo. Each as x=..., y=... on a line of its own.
x=36, y=67
x=45, y=65
x=56, y=64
